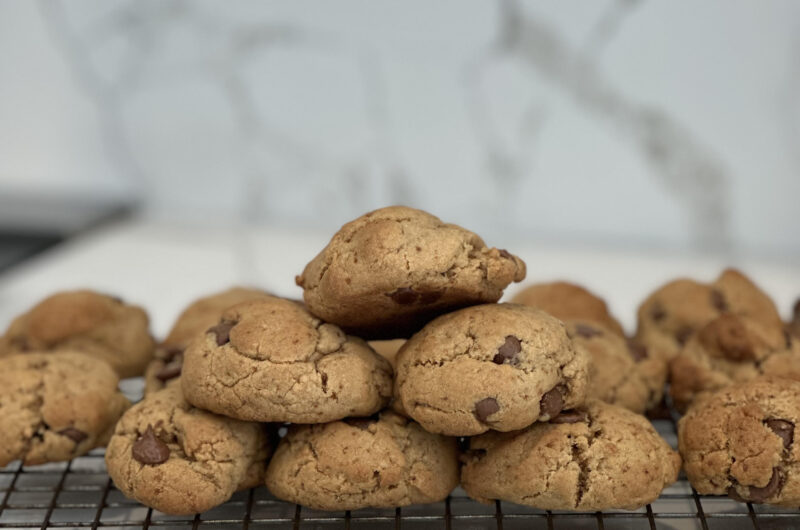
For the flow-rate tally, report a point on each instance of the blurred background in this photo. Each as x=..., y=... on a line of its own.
x=649, y=129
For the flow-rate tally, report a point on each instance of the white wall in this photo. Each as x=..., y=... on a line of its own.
x=658, y=123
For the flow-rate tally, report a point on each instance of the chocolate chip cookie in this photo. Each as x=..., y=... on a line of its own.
x=194, y=320
x=271, y=360
x=742, y=441
x=669, y=316
x=621, y=371
x=387, y=273
x=731, y=349
x=596, y=457
x=568, y=301
x=98, y=325
x=383, y=461
x=493, y=366
x=180, y=460
x=56, y=407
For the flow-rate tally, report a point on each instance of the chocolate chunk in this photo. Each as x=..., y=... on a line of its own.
x=508, y=351
x=73, y=434
x=170, y=371
x=683, y=334
x=505, y=254
x=149, y=450
x=718, y=301
x=485, y=408
x=571, y=416
x=552, y=402
x=404, y=296
x=773, y=486
x=638, y=350
x=223, y=331
x=733, y=494
x=587, y=331
x=658, y=313
x=784, y=429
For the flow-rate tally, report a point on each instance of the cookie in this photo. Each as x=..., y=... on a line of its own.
x=194, y=320
x=741, y=441
x=596, y=457
x=181, y=460
x=387, y=348
x=621, y=371
x=568, y=301
x=56, y=407
x=98, y=325
x=669, y=316
x=387, y=273
x=493, y=366
x=270, y=360
x=731, y=349
x=380, y=462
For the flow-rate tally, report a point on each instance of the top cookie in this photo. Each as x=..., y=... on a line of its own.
x=387, y=273
x=493, y=366
x=270, y=360
x=568, y=301
x=669, y=316
x=85, y=321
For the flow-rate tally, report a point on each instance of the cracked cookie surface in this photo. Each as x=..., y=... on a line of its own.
x=494, y=366
x=742, y=441
x=165, y=368
x=387, y=273
x=596, y=457
x=728, y=350
x=88, y=322
x=675, y=311
x=179, y=459
x=363, y=462
x=569, y=301
x=621, y=371
x=56, y=407
x=270, y=360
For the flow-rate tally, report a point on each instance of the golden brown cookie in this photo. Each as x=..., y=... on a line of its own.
x=731, y=349
x=493, y=366
x=742, y=441
x=363, y=462
x=194, y=320
x=88, y=322
x=56, y=407
x=597, y=457
x=270, y=360
x=387, y=273
x=568, y=301
x=669, y=316
x=180, y=460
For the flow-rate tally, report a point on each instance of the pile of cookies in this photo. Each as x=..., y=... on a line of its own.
x=541, y=401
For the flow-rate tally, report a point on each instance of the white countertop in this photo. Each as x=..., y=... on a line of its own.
x=163, y=267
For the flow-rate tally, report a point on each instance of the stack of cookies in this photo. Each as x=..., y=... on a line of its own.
x=400, y=376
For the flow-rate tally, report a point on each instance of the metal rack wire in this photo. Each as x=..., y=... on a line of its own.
x=79, y=494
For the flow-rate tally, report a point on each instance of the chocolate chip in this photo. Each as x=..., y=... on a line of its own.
x=170, y=371
x=587, y=331
x=73, y=434
x=683, y=334
x=718, y=301
x=505, y=254
x=773, y=486
x=485, y=408
x=733, y=494
x=638, y=350
x=552, y=402
x=657, y=313
x=403, y=296
x=149, y=450
x=222, y=331
x=508, y=351
x=571, y=416
x=784, y=429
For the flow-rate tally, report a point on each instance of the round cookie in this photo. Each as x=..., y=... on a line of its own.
x=387, y=273
x=56, y=407
x=597, y=457
x=568, y=301
x=98, y=325
x=194, y=320
x=669, y=316
x=742, y=441
x=270, y=360
x=363, y=462
x=621, y=371
x=731, y=349
x=181, y=460
x=494, y=366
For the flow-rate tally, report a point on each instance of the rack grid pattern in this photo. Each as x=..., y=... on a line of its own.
x=79, y=494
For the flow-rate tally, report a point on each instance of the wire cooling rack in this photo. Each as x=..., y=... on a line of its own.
x=79, y=494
